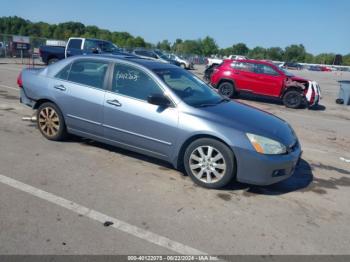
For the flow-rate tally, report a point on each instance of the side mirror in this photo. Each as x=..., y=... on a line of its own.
x=159, y=100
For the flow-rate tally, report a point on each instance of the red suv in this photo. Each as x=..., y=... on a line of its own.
x=264, y=78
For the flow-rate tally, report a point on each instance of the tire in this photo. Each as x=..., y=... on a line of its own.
x=214, y=171
x=52, y=61
x=227, y=89
x=51, y=122
x=293, y=99
x=182, y=65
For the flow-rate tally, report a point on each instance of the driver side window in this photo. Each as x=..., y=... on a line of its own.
x=133, y=82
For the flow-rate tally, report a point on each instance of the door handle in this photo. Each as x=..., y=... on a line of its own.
x=114, y=102
x=60, y=87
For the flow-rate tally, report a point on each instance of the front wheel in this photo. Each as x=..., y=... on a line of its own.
x=209, y=163
x=51, y=122
x=293, y=99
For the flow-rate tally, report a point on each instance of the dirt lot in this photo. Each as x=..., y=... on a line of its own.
x=45, y=185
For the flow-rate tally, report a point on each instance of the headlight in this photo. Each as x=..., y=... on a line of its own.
x=266, y=145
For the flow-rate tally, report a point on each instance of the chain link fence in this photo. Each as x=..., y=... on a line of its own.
x=20, y=49
x=25, y=50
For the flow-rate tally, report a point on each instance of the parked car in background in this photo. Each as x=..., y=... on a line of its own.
x=184, y=63
x=291, y=65
x=325, y=69
x=149, y=54
x=51, y=54
x=162, y=111
x=78, y=46
x=314, y=68
x=167, y=58
x=218, y=61
x=263, y=78
x=213, y=61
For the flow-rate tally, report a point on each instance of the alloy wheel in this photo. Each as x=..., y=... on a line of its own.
x=49, y=122
x=207, y=164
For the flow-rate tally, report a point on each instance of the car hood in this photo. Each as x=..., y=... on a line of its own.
x=249, y=119
x=298, y=79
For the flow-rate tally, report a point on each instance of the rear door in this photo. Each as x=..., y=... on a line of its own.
x=244, y=76
x=79, y=91
x=131, y=121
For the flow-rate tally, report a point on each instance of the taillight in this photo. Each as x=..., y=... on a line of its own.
x=19, y=80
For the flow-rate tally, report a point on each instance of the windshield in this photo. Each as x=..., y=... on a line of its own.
x=287, y=73
x=158, y=52
x=107, y=47
x=188, y=87
x=164, y=57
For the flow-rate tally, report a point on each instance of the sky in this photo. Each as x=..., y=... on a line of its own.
x=320, y=25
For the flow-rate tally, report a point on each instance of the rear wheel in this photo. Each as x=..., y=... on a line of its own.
x=182, y=65
x=226, y=89
x=209, y=163
x=50, y=122
x=293, y=99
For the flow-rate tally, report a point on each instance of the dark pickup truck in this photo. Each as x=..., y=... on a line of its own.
x=78, y=46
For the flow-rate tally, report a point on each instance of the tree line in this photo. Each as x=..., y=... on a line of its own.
x=202, y=47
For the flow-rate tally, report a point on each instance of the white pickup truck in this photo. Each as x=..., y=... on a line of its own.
x=218, y=61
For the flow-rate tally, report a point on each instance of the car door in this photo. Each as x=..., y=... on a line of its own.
x=268, y=80
x=244, y=76
x=129, y=120
x=79, y=91
x=74, y=47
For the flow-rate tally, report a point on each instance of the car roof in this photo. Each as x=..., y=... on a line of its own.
x=252, y=61
x=148, y=63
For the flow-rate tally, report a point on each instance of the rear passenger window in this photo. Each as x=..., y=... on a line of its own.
x=87, y=72
x=265, y=69
x=63, y=74
x=133, y=82
x=75, y=43
x=243, y=66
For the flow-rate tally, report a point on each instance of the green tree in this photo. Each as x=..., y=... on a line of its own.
x=309, y=58
x=325, y=58
x=164, y=45
x=274, y=53
x=176, y=45
x=346, y=60
x=208, y=46
x=240, y=49
x=257, y=53
x=294, y=53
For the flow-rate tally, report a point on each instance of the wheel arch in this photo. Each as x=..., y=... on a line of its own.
x=223, y=80
x=179, y=160
x=289, y=88
x=41, y=101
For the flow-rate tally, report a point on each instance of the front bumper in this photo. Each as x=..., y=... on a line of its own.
x=258, y=169
x=313, y=93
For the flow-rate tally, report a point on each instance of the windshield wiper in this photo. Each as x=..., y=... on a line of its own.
x=223, y=100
